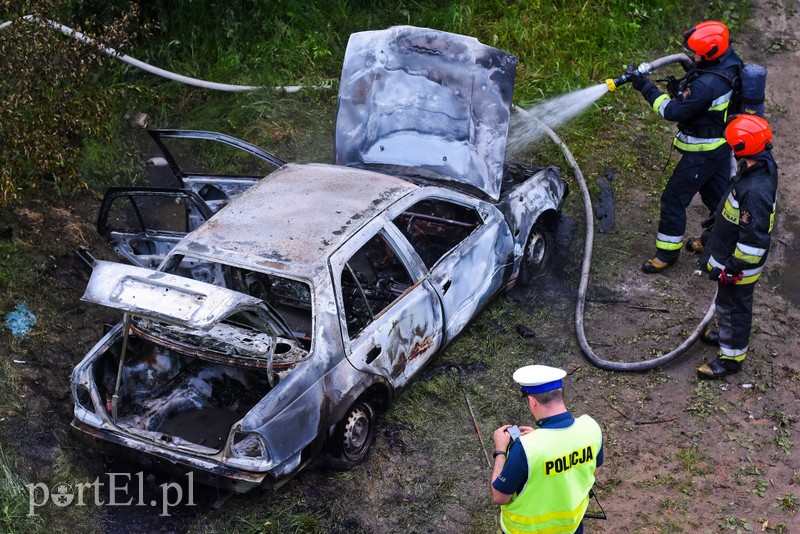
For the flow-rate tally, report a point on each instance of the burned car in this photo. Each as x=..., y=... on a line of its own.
x=299, y=304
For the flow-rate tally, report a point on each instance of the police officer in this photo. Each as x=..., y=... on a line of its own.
x=699, y=104
x=739, y=241
x=542, y=479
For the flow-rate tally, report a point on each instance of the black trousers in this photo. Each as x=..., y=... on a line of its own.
x=734, y=307
x=707, y=173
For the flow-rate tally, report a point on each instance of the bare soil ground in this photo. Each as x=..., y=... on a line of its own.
x=687, y=456
x=681, y=455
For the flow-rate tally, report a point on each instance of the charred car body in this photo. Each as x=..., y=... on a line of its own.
x=279, y=327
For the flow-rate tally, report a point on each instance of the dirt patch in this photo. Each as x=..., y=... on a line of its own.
x=687, y=456
x=681, y=455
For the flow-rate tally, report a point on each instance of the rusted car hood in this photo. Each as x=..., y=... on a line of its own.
x=165, y=297
x=428, y=99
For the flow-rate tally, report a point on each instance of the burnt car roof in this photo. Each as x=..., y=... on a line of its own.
x=428, y=99
x=293, y=219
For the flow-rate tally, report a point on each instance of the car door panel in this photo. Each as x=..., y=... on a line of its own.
x=465, y=244
x=401, y=336
x=469, y=275
x=216, y=166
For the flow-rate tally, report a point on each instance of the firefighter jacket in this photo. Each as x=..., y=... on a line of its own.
x=700, y=105
x=561, y=465
x=741, y=236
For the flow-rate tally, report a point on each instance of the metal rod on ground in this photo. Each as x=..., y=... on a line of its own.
x=595, y=515
x=462, y=380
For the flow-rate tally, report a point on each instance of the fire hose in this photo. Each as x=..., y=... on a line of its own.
x=643, y=365
x=215, y=86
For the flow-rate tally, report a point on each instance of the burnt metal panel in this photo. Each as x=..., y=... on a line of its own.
x=293, y=220
x=428, y=99
x=527, y=201
x=163, y=296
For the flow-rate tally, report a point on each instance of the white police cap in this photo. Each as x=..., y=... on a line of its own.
x=539, y=378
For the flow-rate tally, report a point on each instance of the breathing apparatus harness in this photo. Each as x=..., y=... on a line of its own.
x=676, y=87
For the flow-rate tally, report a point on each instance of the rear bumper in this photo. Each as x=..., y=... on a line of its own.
x=205, y=471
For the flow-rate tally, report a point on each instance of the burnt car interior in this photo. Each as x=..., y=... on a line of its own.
x=184, y=399
x=434, y=227
x=190, y=386
x=374, y=276
x=371, y=280
x=291, y=299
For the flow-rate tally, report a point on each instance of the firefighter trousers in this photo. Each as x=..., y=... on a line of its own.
x=734, y=307
x=707, y=173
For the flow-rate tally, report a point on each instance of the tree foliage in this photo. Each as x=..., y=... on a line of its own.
x=49, y=104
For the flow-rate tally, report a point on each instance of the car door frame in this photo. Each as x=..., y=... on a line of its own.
x=231, y=185
x=463, y=290
x=162, y=240
x=370, y=351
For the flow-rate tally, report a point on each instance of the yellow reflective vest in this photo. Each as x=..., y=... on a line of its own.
x=561, y=465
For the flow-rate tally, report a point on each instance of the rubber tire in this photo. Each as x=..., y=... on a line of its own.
x=538, y=250
x=352, y=438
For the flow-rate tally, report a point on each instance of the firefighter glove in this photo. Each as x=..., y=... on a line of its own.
x=727, y=278
x=637, y=78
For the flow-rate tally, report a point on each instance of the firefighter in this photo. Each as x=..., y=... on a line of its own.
x=698, y=102
x=542, y=478
x=739, y=242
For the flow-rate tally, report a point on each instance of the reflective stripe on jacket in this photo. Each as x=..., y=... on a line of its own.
x=702, y=109
x=743, y=224
x=561, y=465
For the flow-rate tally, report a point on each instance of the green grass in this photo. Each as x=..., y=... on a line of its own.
x=14, y=499
x=561, y=46
x=10, y=262
x=789, y=501
x=693, y=462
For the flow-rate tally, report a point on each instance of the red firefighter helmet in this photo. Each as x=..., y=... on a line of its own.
x=748, y=135
x=709, y=39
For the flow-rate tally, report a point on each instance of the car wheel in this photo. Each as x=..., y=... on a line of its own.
x=353, y=437
x=538, y=250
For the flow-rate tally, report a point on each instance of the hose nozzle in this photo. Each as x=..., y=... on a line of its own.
x=642, y=70
x=613, y=83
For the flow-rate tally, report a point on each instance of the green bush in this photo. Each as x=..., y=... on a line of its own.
x=51, y=94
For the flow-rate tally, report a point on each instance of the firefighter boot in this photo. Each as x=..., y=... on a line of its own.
x=694, y=245
x=710, y=336
x=718, y=368
x=655, y=265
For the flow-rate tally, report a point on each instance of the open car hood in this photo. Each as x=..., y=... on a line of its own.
x=165, y=297
x=428, y=99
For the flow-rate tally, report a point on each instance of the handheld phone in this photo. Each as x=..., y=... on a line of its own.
x=514, y=432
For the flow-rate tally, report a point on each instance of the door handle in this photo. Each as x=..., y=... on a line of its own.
x=446, y=286
x=373, y=353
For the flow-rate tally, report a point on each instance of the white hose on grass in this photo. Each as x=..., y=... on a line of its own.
x=66, y=30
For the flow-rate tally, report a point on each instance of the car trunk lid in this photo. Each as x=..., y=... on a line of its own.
x=164, y=297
